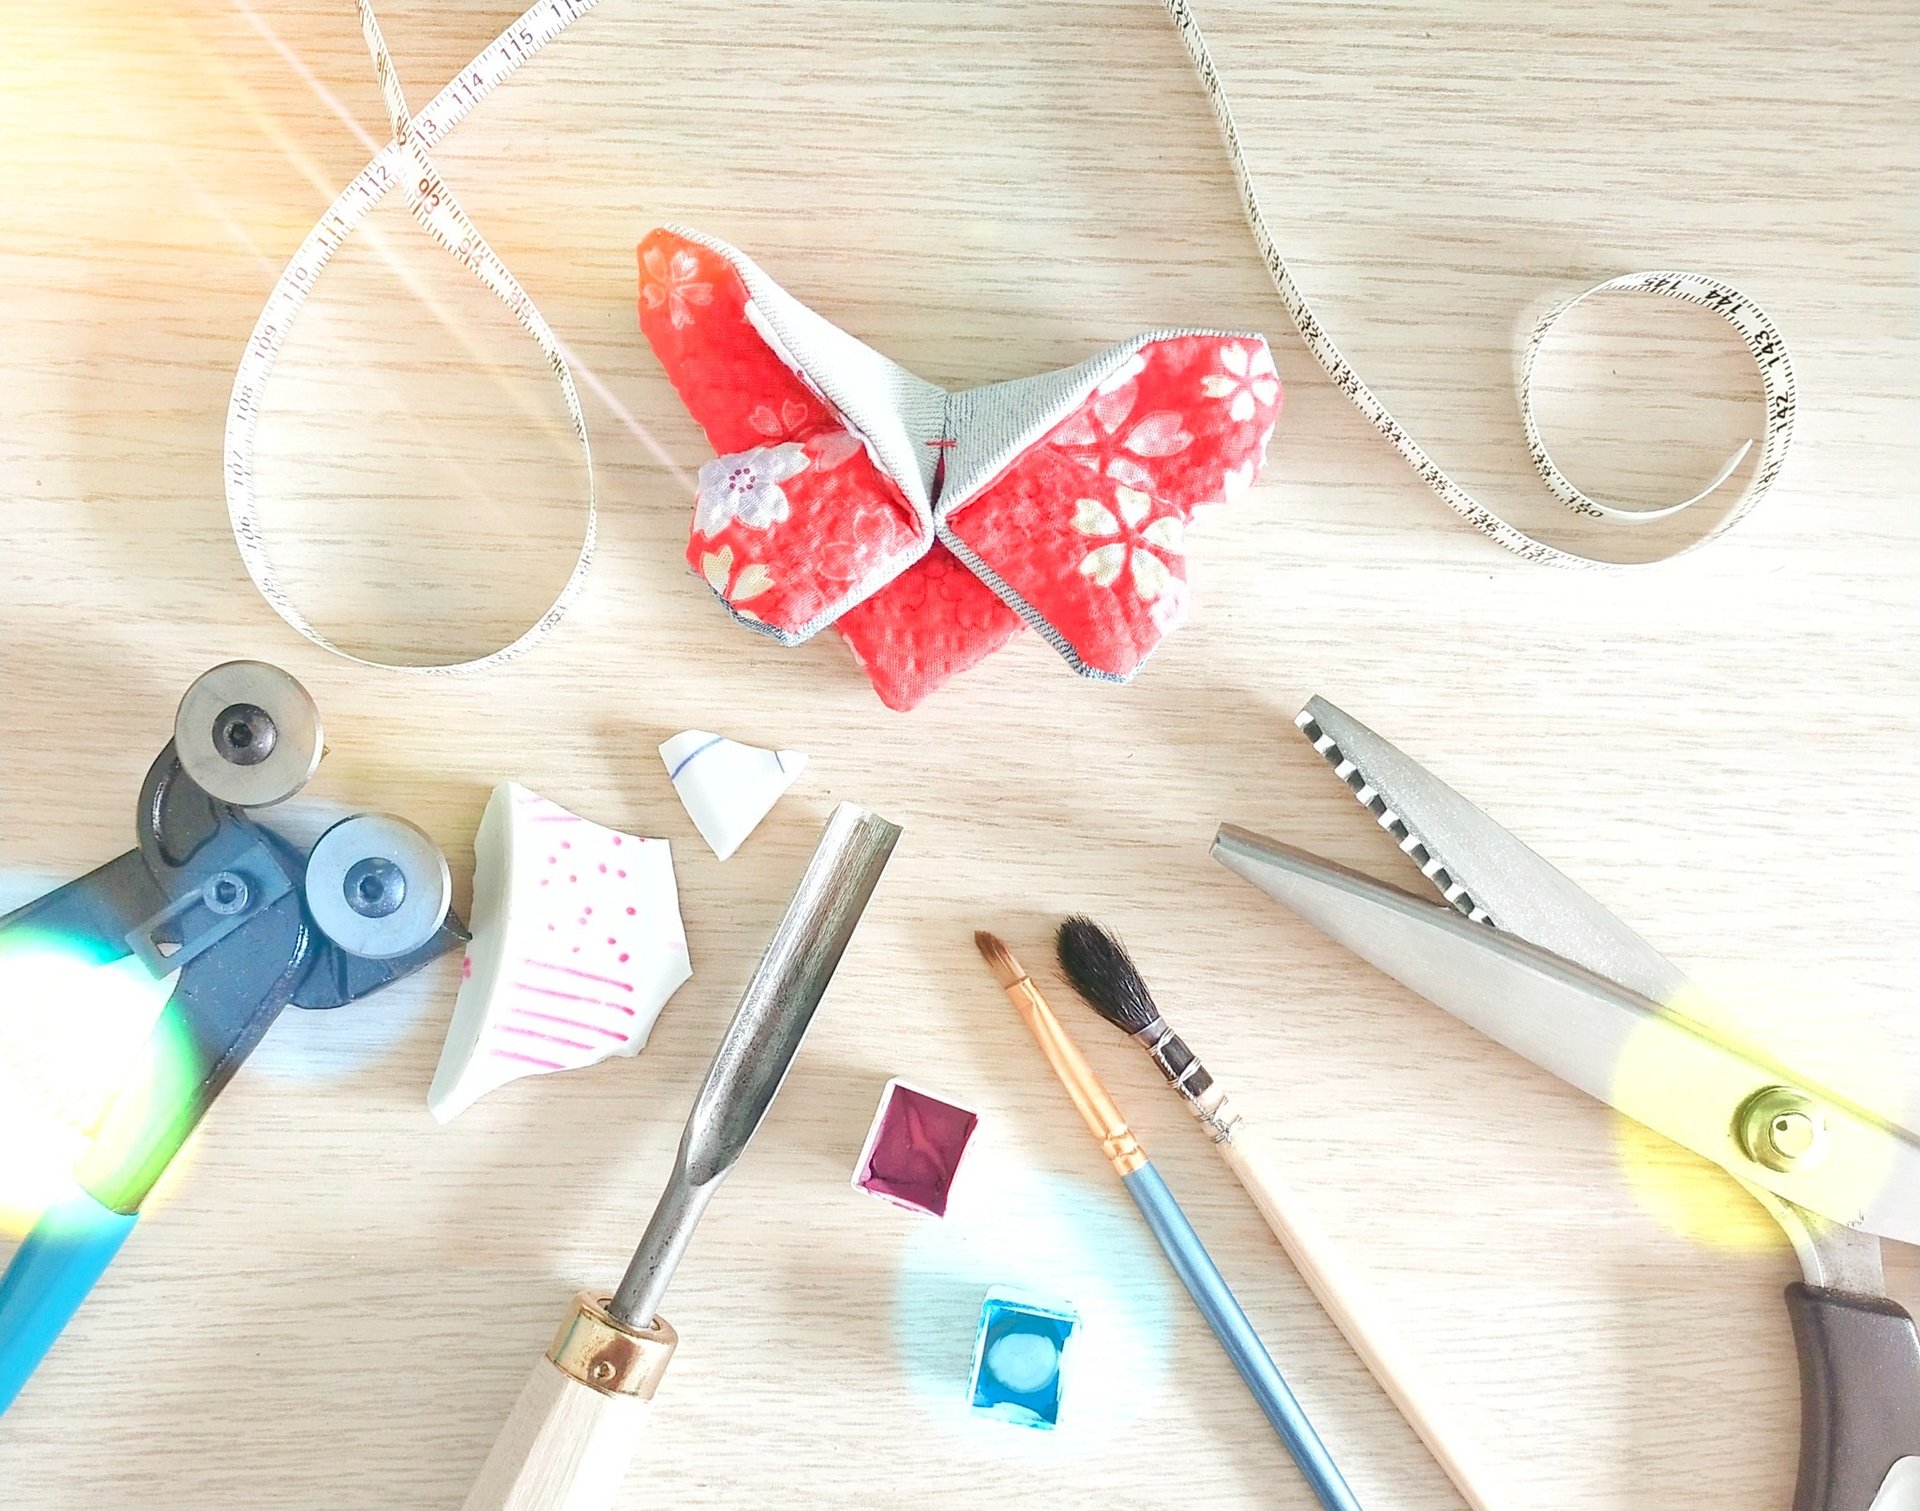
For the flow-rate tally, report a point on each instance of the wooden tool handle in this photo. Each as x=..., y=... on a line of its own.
x=573, y=1433
x=566, y=1447
x=1350, y=1303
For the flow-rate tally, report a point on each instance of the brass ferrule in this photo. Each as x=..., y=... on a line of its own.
x=609, y=1356
x=1097, y=1109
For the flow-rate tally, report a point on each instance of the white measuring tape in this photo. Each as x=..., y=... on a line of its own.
x=405, y=161
x=1756, y=330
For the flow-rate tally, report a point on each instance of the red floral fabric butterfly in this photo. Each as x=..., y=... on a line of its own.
x=929, y=528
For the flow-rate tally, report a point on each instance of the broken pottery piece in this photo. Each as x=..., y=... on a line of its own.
x=727, y=787
x=577, y=945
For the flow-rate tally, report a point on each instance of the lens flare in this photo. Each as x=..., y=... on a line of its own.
x=1692, y=1195
x=73, y=1030
x=1010, y=1226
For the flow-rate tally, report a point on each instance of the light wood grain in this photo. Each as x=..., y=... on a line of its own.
x=1337, y=1285
x=333, y=1301
x=564, y=1447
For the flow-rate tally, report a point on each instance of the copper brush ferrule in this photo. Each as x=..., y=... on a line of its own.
x=1097, y=1109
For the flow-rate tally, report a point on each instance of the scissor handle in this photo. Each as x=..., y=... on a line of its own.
x=1859, y=1394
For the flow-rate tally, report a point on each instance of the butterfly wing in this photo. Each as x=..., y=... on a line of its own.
x=1083, y=533
x=794, y=521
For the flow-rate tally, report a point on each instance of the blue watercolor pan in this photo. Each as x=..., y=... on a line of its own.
x=1020, y=1358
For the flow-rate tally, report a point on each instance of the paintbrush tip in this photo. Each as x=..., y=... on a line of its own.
x=994, y=950
x=1103, y=973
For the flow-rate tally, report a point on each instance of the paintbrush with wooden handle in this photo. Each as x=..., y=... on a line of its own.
x=1103, y=973
x=573, y=1433
x=1177, y=1239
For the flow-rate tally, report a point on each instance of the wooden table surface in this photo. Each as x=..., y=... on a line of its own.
x=333, y=1300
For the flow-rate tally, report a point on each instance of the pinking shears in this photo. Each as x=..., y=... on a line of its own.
x=1520, y=953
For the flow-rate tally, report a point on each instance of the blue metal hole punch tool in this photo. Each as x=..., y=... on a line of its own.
x=250, y=922
x=1523, y=955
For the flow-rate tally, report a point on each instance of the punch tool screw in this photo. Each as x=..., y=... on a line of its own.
x=226, y=893
x=245, y=734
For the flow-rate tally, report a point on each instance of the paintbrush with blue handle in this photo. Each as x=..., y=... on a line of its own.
x=1173, y=1232
x=1102, y=972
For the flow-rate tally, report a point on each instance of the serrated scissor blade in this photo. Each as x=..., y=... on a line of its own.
x=1478, y=866
x=1657, y=1066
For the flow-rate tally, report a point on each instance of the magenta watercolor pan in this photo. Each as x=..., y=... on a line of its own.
x=913, y=1149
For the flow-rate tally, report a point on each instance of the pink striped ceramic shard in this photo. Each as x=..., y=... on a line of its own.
x=577, y=945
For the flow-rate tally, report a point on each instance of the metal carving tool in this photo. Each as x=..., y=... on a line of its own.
x=575, y=1429
x=1529, y=959
x=250, y=921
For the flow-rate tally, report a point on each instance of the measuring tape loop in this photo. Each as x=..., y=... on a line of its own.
x=406, y=162
x=1762, y=340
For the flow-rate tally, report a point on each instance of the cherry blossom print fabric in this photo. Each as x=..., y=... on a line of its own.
x=931, y=527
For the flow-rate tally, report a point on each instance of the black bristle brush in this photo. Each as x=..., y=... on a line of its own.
x=1103, y=973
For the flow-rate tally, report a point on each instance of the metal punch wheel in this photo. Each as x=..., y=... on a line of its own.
x=247, y=734
x=378, y=886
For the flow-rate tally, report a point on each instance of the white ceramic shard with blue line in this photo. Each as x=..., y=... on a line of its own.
x=727, y=787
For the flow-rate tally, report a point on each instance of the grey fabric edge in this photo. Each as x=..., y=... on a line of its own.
x=910, y=473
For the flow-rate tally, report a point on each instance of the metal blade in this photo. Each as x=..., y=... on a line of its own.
x=758, y=1048
x=1657, y=1066
x=1478, y=866
x=778, y=1006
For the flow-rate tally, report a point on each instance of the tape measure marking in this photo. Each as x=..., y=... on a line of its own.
x=1763, y=341
x=405, y=161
